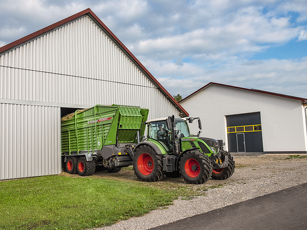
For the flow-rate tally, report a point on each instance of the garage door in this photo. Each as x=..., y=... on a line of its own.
x=244, y=133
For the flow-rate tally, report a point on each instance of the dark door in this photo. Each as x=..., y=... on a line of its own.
x=241, y=143
x=249, y=128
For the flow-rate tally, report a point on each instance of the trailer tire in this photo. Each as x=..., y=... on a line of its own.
x=147, y=164
x=71, y=165
x=85, y=168
x=114, y=169
x=225, y=173
x=195, y=167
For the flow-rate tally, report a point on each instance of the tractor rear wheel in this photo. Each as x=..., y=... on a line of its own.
x=71, y=165
x=224, y=173
x=85, y=168
x=147, y=164
x=195, y=167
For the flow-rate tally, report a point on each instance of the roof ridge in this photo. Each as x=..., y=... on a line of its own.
x=304, y=100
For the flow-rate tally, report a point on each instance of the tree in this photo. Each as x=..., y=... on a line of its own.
x=178, y=97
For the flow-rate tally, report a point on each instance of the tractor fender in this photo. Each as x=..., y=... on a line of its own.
x=181, y=154
x=151, y=144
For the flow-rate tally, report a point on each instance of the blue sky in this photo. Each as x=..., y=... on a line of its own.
x=260, y=44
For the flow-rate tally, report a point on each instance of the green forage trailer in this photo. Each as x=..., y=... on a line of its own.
x=101, y=137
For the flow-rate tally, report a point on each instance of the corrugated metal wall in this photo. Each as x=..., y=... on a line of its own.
x=30, y=141
x=78, y=64
x=75, y=65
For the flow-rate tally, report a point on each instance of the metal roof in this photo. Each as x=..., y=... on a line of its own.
x=304, y=100
x=112, y=36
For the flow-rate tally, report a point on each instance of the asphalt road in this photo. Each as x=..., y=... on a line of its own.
x=285, y=209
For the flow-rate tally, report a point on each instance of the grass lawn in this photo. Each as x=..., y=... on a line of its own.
x=60, y=202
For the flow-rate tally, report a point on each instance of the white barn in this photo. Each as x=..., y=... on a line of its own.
x=75, y=63
x=250, y=120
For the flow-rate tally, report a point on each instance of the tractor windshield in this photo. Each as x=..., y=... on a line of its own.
x=182, y=129
x=158, y=130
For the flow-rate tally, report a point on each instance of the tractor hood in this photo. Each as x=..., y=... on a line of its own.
x=210, y=142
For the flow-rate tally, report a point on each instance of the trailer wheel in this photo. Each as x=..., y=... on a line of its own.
x=114, y=169
x=85, y=168
x=71, y=165
x=223, y=174
x=147, y=164
x=195, y=167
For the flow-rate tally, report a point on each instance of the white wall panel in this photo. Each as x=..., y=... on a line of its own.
x=29, y=141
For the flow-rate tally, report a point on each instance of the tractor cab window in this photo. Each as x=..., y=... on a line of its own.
x=158, y=130
x=182, y=129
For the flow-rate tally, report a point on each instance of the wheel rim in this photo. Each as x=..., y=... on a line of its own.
x=145, y=164
x=217, y=171
x=69, y=165
x=192, y=167
x=81, y=166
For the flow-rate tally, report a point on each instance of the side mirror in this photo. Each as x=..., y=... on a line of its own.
x=199, y=124
x=169, y=123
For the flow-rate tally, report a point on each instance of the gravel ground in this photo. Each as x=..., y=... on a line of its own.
x=254, y=176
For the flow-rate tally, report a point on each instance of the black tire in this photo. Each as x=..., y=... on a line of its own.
x=195, y=167
x=71, y=165
x=225, y=173
x=114, y=169
x=174, y=174
x=85, y=168
x=147, y=164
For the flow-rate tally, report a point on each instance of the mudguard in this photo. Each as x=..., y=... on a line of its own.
x=154, y=145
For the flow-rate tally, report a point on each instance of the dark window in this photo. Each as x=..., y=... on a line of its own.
x=257, y=127
x=249, y=128
x=231, y=130
x=240, y=129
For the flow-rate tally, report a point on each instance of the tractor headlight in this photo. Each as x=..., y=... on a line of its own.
x=213, y=149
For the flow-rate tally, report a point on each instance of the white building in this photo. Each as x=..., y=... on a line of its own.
x=250, y=120
x=75, y=63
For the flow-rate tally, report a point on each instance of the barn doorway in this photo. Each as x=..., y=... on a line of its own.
x=244, y=133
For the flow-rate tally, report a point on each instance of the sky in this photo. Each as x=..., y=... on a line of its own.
x=258, y=44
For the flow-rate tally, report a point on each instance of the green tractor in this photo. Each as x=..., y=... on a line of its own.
x=169, y=149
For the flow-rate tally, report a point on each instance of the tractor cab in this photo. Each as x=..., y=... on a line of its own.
x=161, y=132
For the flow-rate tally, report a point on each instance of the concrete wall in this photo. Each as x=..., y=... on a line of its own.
x=283, y=120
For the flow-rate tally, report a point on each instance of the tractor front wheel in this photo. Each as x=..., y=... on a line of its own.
x=195, y=167
x=147, y=164
x=224, y=173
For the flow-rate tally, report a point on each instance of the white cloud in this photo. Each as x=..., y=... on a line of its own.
x=303, y=35
x=2, y=43
x=280, y=76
